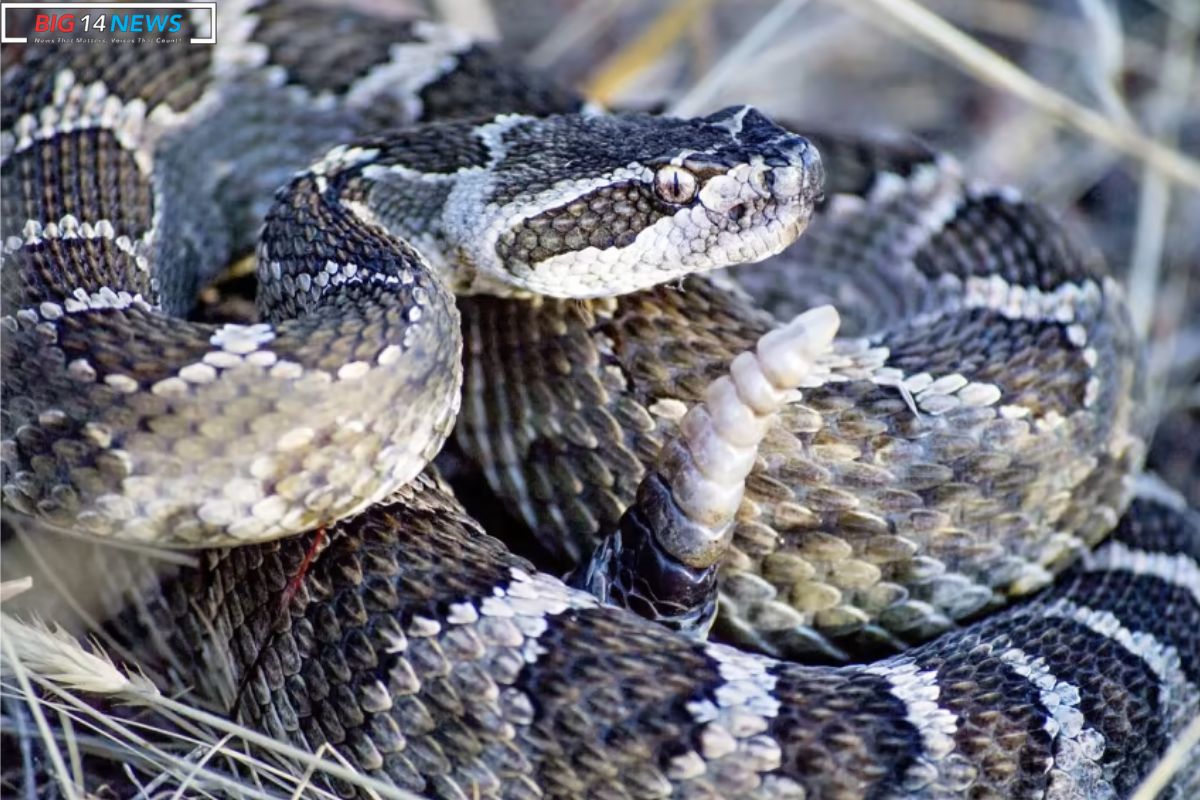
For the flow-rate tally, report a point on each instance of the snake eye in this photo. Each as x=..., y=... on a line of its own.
x=674, y=184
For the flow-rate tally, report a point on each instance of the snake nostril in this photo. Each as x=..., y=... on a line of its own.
x=737, y=211
x=762, y=182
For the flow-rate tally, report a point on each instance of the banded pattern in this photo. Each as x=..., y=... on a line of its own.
x=957, y=453
x=126, y=421
x=964, y=448
x=435, y=659
x=110, y=223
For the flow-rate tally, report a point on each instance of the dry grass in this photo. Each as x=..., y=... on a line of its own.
x=185, y=748
x=1095, y=114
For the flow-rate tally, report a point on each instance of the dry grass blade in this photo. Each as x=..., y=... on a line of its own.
x=1170, y=763
x=107, y=736
x=68, y=591
x=10, y=589
x=65, y=782
x=992, y=68
x=625, y=65
x=305, y=783
x=1168, y=105
x=1105, y=60
x=54, y=655
x=1054, y=30
x=299, y=757
x=471, y=16
x=575, y=30
x=209, y=752
x=157, y=747
x=58, y=660
x=700, y=95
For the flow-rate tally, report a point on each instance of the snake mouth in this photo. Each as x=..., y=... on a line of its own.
x=800, y=181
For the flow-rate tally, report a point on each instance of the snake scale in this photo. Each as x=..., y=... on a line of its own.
x=969, y=437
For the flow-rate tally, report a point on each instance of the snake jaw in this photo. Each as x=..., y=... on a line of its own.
x=755, y=210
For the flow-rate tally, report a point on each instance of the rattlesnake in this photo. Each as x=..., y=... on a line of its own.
x=973, y=438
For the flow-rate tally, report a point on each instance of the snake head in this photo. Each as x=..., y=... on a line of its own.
x=613, y=204
x=593, y=205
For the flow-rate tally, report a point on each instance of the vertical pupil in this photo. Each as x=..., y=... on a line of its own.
x=675, y=179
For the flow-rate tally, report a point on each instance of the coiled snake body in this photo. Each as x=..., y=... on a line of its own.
x=971, y=442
